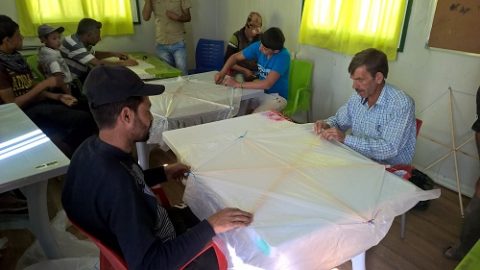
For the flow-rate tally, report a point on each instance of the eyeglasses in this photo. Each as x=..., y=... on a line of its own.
x=257, y=28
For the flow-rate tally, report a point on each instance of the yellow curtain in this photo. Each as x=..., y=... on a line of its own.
x=349, y=26
x=115, y=15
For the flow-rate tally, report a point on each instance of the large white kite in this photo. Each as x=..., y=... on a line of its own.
x=189, y=101
x=316, y=204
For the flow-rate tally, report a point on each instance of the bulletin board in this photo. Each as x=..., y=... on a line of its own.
x=456, y=26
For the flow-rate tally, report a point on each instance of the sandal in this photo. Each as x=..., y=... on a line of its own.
x=452, y=253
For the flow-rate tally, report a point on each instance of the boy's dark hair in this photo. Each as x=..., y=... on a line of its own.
x=105, y=115
x=273, y=38
x=7, y=27
x=374, y=60
x=87, y=25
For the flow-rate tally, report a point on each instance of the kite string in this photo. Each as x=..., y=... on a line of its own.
x=175, y=93
x=220, y=152
x=194, y=177
x=243, y=136
x=288, y=167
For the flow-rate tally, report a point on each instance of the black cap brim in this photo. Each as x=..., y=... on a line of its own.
x=152, y=89
x=111, y=84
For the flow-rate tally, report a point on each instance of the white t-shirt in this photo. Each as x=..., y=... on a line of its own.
x=52, y=62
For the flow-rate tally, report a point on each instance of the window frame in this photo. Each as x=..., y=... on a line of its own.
x=136, y=11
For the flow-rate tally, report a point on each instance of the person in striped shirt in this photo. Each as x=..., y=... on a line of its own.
x=78, y=52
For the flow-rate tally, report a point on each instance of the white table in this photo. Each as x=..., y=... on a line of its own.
x=188, y=101
x=27, y=160
x=316, y=204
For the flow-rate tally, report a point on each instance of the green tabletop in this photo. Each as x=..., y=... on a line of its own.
x=161, y=69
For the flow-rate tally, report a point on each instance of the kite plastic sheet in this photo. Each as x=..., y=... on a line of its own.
x=316, y=204
x=188, y=102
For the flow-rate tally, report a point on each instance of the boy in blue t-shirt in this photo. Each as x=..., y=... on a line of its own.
x=273, y=61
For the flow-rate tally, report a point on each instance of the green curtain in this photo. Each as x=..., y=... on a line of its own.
x=349, y=26
x=115, y=15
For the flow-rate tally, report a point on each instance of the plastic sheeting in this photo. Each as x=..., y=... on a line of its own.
x=87, y=263
x=79, y=254
x=187, y=102
x=316, y=203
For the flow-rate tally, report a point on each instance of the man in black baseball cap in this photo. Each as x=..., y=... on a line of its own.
x=108, y=194
x=111, y=84
x=116, y=94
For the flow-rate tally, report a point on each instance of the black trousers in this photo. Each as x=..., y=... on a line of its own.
x=470, y=233
x=67, y=126
x=182, y=219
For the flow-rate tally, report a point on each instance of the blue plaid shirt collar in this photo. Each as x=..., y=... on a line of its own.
x=381, y=99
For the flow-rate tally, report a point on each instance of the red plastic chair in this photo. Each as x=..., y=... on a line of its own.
x=161, y=196
x=406, y=170
x=221, y=260
x=418, y=124
x=110, y=260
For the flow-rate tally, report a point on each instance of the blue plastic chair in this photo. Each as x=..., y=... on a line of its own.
x=209, y=55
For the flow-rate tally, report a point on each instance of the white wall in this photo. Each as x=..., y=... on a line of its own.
x=219, y=19
x=425, y=74
x=285, y=14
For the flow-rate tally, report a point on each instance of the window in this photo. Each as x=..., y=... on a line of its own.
x=349, y=26
x=115, y=15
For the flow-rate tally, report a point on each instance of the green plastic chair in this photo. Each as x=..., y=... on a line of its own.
x=299, y=87
x=32, y=61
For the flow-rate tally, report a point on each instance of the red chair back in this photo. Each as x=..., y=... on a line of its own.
x=406, y=168
x=221, y=260
x=418, y=124
x=110, y=260
x=161, y=196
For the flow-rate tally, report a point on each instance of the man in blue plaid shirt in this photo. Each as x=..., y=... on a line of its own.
x=381, y=117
